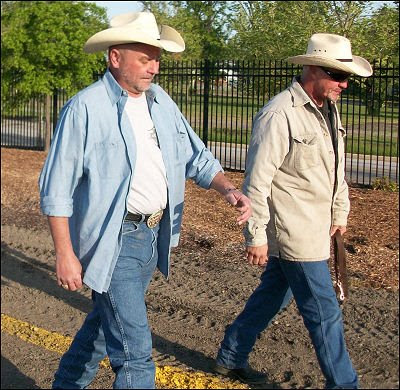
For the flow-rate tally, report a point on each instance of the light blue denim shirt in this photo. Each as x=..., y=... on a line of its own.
x=87, y=173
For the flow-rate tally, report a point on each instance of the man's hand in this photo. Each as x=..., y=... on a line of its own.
x=68, y=267
x=69, y=272
x=233, y=196
x=257, y=255
x=342, y=229
x=241, y=202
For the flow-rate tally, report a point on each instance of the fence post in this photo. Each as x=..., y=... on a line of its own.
x=55, y=110
x=206, y=73
x=48, y=123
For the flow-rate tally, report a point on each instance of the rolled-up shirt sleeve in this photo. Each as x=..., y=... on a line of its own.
x=268, y=148
x=64, y=164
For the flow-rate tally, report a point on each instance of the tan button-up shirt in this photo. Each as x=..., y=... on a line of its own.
x=290, y=178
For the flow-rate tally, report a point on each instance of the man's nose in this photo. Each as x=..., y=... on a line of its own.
x=154, y=67
x=344, y=84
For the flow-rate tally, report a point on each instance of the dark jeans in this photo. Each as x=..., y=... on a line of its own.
x=311, y=285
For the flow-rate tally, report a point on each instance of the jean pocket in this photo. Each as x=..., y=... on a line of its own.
x=129, y=227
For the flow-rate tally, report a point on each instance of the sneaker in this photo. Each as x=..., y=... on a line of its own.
x=245, y=375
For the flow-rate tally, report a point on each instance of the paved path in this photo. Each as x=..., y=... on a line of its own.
x=359, y=168
x=166, y=376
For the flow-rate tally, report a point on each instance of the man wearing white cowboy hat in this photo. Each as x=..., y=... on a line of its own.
x=113, y=189
x=295, y=180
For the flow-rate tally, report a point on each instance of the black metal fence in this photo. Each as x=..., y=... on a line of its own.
x=220, y=99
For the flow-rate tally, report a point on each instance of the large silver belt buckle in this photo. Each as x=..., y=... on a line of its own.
x=154, y=219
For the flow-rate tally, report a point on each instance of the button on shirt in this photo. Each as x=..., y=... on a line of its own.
x=87, y=173
x=327, y=112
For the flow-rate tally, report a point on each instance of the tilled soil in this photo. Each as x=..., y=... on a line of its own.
x=209, y=284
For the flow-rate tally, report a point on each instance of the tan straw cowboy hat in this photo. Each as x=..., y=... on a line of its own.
x=140, y=27
x=333, y=51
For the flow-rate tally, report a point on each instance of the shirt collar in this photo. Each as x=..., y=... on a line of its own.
x=151, y=93
x=300, y=96
x=116, y=92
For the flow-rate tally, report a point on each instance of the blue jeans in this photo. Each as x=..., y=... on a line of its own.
x=118, y=325
x=311, y=286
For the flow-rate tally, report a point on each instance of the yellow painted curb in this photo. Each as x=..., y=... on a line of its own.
x=166, y=376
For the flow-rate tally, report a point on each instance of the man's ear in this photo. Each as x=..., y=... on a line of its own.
x=114, y=57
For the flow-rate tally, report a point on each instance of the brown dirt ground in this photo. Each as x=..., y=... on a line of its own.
x=208, y=287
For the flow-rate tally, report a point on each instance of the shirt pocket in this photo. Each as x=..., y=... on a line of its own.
x=180, y=140
x=110, y=159
x=306, y=151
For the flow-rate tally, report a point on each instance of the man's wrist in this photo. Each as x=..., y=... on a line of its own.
x=228, y=190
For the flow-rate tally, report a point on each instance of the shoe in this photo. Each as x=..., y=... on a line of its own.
x=245, y=375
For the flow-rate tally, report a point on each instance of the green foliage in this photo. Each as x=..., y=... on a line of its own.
x=379, y=35
x=41, y=46
x=204, y=25
x=41, y=41
x=263, y=30
x=385, y=184
x=279, y=29
x=275, y=29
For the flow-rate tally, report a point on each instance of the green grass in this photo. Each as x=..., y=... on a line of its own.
x=231, y=123
x=230, y=119
x=239, y=110
x=372, y=146
x=358, y=114
x=360, y=145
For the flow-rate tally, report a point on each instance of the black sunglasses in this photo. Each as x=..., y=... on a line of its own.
x=339, y=77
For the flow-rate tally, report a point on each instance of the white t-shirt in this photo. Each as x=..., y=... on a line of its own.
x=148, y=190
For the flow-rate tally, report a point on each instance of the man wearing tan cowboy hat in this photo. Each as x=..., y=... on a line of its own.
x=113, y=189
x=295, y=180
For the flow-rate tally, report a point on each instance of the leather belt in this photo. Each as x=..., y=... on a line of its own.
x=151, y=220
x=340, y=283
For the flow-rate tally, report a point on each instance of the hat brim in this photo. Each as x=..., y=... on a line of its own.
x=358, y=66
x=170, y=40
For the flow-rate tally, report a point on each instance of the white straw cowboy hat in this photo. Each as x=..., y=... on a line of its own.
x=333, y=51
x=135, y=27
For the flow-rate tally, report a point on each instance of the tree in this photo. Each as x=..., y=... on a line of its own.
x=275, y=29
x=380, y=43
x=204, y=25
x=41, y=48
x=345, y=16
x=279, y=29
x=380, y=35
x=41, y=45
